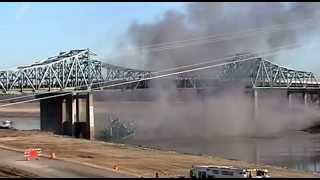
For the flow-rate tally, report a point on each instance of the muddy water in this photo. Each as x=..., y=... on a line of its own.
x=295, y=149
x=24, y=123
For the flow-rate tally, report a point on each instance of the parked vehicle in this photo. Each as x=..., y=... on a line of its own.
x=7, y=124
x=204, y=172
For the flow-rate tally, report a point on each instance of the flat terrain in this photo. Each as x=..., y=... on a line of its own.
x=46, y=168
x=11, y=172
x=135, y=161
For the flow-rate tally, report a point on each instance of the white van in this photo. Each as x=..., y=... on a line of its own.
x=204, y=172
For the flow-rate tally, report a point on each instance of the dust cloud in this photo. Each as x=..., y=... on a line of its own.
x=228, y=113
x=229, y=110
x=200, y=20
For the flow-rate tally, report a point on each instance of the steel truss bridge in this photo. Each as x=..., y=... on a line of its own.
x=81, y=70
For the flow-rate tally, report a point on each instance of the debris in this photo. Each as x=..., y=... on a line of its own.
x=117, y=129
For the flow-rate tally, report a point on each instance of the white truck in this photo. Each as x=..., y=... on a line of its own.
x=204, y=172
x=7, y=124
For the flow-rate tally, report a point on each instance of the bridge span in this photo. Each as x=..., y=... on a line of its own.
x=78, y=72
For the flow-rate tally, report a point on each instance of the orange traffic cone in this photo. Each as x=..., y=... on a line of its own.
x=115, y=168
x=27, y=154
x=52, y=156
x=34, y=154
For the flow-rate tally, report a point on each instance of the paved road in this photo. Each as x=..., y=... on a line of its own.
x=53, y=168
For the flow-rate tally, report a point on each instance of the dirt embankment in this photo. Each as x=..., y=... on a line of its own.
x=11, y=172
x=132, y=160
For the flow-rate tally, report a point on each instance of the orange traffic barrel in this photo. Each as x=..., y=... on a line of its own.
x=116, y=167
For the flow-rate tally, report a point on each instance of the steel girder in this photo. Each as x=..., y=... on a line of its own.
x=261, y=73
x=269, y=75
x=64, y=71
x=69, y=71
x=79, y=70
x=113, y=74
x=116, y=73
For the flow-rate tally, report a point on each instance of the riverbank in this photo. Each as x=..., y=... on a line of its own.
x=27, y=110
x=131, y=160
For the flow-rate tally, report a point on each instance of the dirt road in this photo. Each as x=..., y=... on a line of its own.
x=47, y=168
x=12, y=172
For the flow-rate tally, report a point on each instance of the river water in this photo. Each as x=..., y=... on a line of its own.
x=294, y=149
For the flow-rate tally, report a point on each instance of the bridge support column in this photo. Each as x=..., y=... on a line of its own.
x=91, y=115
x=71, y=115
x=256, y=104
x=74, y=114
x=67, y=118
x=305, y=98
x=51, y=115
x=318, y=100
x=289, y=99
x=255, y=111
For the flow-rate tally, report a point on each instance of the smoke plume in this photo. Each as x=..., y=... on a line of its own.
x=214, y=18
x=230, y=110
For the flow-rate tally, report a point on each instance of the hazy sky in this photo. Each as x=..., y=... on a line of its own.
x=34, y=31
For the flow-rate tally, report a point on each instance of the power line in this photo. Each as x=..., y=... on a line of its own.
x=166, y=70
x=225, y=36
x=19, y=97
x=218, y=38
x=155, y=77
x=32, y=100
x=206, y=62
x=195, y=69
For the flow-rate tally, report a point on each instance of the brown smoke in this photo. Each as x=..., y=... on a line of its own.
x=213, y=18
x=230, y=110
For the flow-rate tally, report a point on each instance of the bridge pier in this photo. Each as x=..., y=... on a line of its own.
x=298, y=97
x=70, y=115
x=256, y=104
x=255, y=113
x=289, y=95
x=305, y=98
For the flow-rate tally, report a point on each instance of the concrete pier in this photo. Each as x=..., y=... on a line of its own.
x=289, y=99
x=71, y=115
x=305, y=98
x=255, y=114
x=256, y=104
